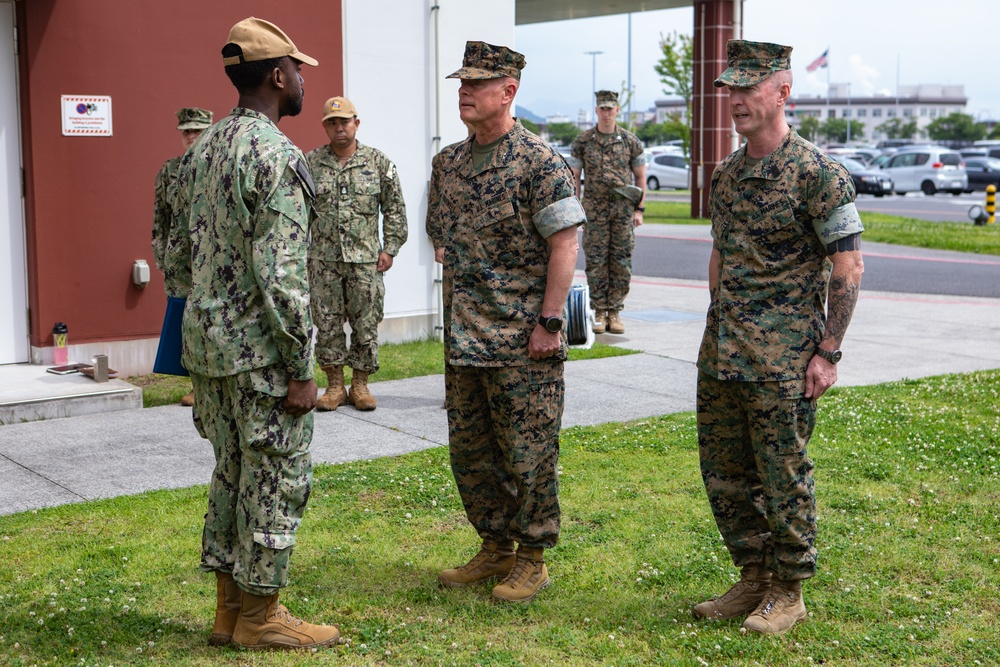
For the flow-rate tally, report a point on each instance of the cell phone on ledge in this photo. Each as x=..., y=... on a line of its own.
x=67, y=369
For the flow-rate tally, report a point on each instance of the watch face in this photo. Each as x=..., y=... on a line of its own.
x=835, y=357
x=553, y=324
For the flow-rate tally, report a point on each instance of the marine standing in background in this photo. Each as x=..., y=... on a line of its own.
x=504, y=214
x=191, y=121
x=346, y=259
x=609, y=158
x=784, y=277
x=240, y=259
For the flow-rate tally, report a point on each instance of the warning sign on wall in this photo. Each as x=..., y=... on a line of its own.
x=86, y=115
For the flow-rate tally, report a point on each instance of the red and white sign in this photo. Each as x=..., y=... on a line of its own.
x=86, y=115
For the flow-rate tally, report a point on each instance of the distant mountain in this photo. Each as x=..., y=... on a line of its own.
x=521, y=112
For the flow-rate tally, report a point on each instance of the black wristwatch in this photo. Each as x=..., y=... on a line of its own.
x=641, y=209
x=551, y=324
x=832, y=357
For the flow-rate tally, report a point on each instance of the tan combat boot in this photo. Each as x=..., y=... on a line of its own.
x=742, y=598
x=600, y=321
x=359, y=395
x=187, y=399
x=264, y=623
x=615, y=325
x=228, y=598
x=524, y=581
x=494, y=560
x=335, y=394
x=780, y=609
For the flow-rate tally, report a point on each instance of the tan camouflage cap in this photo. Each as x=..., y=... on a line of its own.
x=261, y=40
x=193, y=118
x=339, y=107
x=486, y=61
x=606, y=99
x=751, y=62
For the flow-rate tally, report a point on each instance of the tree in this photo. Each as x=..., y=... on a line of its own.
x=809, y=128
x=835, y=129
x=676, y=70
x=895, y=128
x=995, y=133
x=530, y=126
x=956, y=127
x=652, y=134
x=562, y=133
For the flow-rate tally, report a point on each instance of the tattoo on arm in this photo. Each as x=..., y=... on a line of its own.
x=846, y=244
x=841, y=301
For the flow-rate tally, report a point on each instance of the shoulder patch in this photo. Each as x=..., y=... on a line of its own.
x=302, y=170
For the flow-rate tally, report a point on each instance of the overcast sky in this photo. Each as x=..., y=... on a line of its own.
x=927, y=41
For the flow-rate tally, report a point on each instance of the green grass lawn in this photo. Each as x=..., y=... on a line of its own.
x=964, y=237
x=396, y=362
x=908, y=489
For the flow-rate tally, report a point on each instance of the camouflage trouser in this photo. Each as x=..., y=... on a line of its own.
x=262, y=477
x=752, y=439
x=608, y=242
x=342, y=292
x=503, y=427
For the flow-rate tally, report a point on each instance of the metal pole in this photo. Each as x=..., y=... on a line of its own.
x=593, y=78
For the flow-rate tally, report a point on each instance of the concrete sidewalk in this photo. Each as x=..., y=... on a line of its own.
x=892, y=336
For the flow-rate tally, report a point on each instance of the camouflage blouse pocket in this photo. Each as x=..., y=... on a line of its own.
x=366, y=197
x=775, y=232
x=500, y=233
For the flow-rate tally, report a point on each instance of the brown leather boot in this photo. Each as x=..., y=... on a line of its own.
x=359, y=395
x=600, y=321
x=742, y=598
x=780, y=609
x=264, y=623
x=526, y=578
x=335, y=394
x=228, y=598
x=187, y=400
x=494, y=560
x=615, y=325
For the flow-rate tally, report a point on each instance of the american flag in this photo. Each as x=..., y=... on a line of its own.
x=819, y=62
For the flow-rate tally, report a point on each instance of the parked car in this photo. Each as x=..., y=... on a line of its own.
x=866, y=181
x=667, y=170
x=927, y=169
x=982, y=171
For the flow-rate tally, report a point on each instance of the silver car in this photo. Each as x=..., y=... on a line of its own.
x=928, y=169
x=667, y=170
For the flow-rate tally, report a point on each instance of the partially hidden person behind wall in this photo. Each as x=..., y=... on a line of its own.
x=354, y=183
x=784, y=277
x=503, y=218
x=240, y=258
x=191, y=122
x=609, y=162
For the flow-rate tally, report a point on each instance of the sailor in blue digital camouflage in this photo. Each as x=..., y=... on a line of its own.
x=503, y=217
x=784, y=277
x=609, y=161
x=346, y=257
x=238, y=253
x=191, y=122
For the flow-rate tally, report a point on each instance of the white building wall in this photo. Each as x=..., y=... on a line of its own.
x=402, y=97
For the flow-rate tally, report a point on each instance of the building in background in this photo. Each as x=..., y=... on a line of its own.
x=922, y=103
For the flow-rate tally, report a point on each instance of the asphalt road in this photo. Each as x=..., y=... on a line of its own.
x=941, y=207
x=888, y=268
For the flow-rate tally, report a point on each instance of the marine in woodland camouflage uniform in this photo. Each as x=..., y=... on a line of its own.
x=782, y=223
x=240, y=258
x=346, y=257
x=191, y=122
x=608, y=158
x=505, y=215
